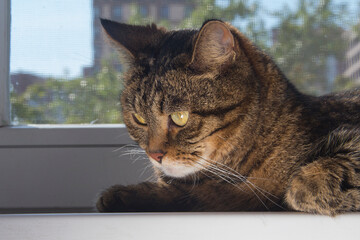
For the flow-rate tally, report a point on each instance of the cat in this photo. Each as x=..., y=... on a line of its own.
x=226, y=131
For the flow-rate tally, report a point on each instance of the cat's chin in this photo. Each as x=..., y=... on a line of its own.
x=175, y=170
x=179, y=171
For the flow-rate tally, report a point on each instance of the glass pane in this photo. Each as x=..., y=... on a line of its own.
x=62, y=70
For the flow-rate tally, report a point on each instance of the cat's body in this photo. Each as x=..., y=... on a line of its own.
x=246, y=140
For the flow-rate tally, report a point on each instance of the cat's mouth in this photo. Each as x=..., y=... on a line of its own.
x=175, y=169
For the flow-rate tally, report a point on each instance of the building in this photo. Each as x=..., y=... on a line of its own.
x=21, y=81
x=172, y=11
x=352, y=58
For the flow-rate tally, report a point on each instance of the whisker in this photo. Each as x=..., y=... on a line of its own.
x=221, y=176
x=242, y=176
x=154, y=178
x=239, y=176
x=136, y=150
x=194, y=177
x=251, y=189
x=131, y=154
x=244, y=180
x=222, y=172
x=137, y=159
x=148, y=165
x=125, y=146
x=122, y=134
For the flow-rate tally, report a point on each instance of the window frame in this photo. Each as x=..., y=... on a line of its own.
x=101, y=135
x=96, y=147
x=4, y=62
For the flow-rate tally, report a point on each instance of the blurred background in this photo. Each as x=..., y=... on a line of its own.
x=63, y=71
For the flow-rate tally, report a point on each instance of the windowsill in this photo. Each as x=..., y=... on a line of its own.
x=48, y=210
x=244, y=225
x=72, y=135
x=62, y=126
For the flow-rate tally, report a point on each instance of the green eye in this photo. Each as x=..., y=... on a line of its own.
x=180, y=118
x=139, y=119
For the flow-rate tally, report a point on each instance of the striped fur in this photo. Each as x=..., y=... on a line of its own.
x=252, y=142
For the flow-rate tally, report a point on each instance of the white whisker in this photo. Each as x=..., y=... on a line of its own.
x=240, y=177
x=148, y=165
x=221, y=176
x=137, y=159
x=230, y=172
x=126, y=146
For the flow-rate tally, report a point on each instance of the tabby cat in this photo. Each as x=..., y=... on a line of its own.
x=226, y=131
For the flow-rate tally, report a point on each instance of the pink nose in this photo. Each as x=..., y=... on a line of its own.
x=156, y=156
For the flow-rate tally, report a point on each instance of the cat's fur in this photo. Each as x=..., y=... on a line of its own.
x=252, y=142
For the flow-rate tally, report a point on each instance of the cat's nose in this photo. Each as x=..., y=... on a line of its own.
x=157, y=156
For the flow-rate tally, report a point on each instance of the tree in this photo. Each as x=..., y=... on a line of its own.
x=307, y=38
x=83, y=100
x=139, y=18
x=241, y=13
x=306, y=42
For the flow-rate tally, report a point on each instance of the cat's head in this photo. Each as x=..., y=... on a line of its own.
x=184, y=92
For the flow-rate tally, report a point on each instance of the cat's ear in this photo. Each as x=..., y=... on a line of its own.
x=214, y=47
x=134, y=41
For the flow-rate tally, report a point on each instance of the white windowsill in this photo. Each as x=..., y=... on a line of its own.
x=179, y=226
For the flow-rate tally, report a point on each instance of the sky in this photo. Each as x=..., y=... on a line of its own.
x=54, y=38
x=51, y=37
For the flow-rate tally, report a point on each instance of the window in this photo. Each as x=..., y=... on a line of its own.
x=51, y=158
x=144, y=10
x=55, y=55
x=188, y=11
x=117, y=14
x=164, y=12
x=96, y=11
x=52, y=53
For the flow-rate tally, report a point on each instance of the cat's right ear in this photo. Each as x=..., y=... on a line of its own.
x=214, y=47
x=134, y=41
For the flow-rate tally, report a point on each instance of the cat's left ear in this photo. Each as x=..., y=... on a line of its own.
x=134, y=41
x=214, y=47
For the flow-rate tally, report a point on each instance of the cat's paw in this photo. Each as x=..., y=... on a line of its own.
x=114, y=199
x=327, y=186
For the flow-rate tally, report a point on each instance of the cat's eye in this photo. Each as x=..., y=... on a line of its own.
x=139, y=119
x=180, y=118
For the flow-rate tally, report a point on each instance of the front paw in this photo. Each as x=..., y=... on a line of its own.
x=115, y=199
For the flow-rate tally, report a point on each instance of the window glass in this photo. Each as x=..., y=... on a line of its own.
x=62, y=70
x=143, y=10
x=117, y=12
x=164, y=12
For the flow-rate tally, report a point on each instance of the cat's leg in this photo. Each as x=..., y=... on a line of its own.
x=211, y=195
x=330, y=184
x=143, y=197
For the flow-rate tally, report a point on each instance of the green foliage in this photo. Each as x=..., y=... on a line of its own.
x=84, y=100
x=241, y=13
x=342, y=83
x=209, y=9
x=302, y=43
x=137, y=18
x=306, y=38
